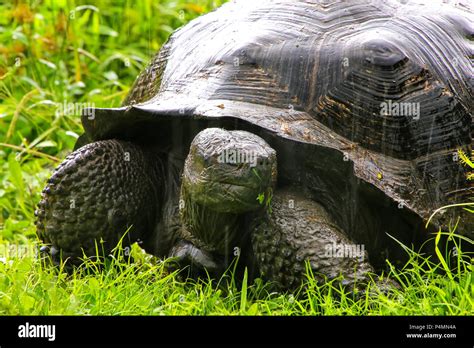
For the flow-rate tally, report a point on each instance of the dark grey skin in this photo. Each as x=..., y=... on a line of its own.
x=228, y=206
x=96, y=195
x=297, y=231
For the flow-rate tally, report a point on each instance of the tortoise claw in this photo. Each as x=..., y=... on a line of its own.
x=199, y=262
x=50, y=255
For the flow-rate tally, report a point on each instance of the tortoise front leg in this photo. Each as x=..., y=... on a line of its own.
x=100, y=191
x=298, y=230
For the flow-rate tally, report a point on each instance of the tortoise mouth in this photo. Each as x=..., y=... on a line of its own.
x=233, y=184
x=226, y=197
x=245, y=180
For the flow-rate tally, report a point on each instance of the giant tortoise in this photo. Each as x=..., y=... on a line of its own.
x=289, y=133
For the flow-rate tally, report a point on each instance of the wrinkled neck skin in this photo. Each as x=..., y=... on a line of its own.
x=223, y=234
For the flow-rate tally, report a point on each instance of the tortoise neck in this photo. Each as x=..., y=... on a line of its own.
x=220, y=233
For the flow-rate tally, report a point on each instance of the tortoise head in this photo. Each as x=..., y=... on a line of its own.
x=226, y=171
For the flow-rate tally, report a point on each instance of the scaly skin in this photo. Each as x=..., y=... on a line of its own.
x=96, y=194
x=297, y=230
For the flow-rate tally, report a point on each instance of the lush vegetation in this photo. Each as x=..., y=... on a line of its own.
x=55, y=52
x=144, y=287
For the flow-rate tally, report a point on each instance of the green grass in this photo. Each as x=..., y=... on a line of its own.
x=72, y=52
x=145, y=287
